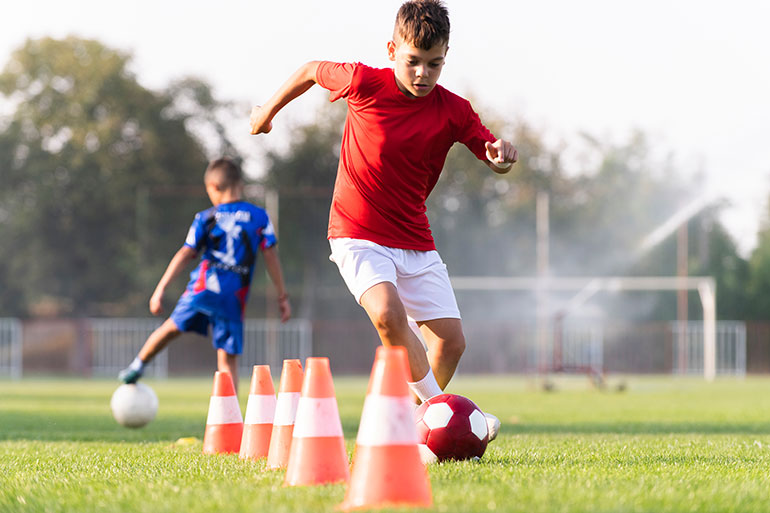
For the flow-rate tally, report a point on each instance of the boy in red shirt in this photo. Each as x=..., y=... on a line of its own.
x=399, y=128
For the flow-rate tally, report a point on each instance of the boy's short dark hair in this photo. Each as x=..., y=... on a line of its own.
x=422, y=23
x=225, y=172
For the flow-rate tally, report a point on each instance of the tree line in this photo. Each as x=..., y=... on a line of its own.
x=101, y=178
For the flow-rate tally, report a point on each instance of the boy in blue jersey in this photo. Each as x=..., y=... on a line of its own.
x=227, y=236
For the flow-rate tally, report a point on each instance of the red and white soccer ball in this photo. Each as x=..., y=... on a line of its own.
x=451, y=426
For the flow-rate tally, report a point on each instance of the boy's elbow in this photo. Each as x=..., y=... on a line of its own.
x=268, y=253
x=309, y=71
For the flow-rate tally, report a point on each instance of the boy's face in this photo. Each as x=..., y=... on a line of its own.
x=416, y=70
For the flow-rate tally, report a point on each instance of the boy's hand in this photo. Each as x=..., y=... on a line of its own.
x=260, y=121
x=156, y=302
x=285, y=307
x=501, y=153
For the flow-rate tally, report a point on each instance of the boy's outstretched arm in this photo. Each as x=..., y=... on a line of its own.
x=177, y=265
x=273, y=266
x=302, y=80
x=501, y=155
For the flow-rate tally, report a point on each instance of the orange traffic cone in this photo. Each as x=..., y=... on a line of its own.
x=285, y=412
x=387, y=469
x=260, y=411
x=317, y=454
x=224, y=425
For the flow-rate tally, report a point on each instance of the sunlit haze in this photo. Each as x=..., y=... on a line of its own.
x=693, y=75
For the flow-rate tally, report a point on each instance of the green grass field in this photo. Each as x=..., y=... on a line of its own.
x=664, y=444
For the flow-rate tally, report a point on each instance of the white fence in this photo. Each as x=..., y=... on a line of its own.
x=687, y=348
x=582, y=347
x=593, y=347
x=571, y=347
x=115, y=342
x=10, y=348
x=270, y=342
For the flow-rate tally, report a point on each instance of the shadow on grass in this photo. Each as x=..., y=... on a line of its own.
x=79, y=427
x=90, y=428
x=103, y=428
x=641, y=428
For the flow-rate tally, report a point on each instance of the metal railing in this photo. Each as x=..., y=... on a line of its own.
x=115, y=342
x=687, y=348
x=11, y=348
x=667, y=347
x=270, y=342
x=596, y=347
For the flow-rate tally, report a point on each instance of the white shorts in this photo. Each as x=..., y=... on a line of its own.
x=420, y=277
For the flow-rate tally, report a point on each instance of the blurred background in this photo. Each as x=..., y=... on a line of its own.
x=632, y=236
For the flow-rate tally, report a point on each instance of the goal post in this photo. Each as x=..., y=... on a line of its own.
x=587, y=286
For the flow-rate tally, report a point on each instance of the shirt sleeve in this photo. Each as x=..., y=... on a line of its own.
x=474, y=134
x=336, y=77
x=267, y=232
x=196, y=235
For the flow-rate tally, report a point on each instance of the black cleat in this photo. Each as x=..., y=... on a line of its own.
x=130, y=375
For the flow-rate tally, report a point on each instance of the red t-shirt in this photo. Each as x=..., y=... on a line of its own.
x=393, y=151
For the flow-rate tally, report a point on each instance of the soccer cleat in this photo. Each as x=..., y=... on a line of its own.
x=493, y=425
x=130, y=375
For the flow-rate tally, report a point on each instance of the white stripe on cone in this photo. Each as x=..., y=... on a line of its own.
x=286, y=408
x=260, y=409
x=224, y=410
x=387, y=420
x=317, y=417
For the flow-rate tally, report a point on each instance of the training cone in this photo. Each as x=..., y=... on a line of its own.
x=224, y=425
x=260, y=410
x=285, y=412
x=317, y=454
x=387, y=470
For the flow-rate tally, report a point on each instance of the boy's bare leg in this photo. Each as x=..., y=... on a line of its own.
x=446, y=344
x=155, y=343
x=228, y=363
x=388, y=316
x=158, y=340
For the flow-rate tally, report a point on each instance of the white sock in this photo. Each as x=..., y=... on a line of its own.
x=137, y=364
x=427, y=387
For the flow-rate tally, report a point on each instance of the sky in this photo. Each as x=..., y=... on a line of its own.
x=691, y=74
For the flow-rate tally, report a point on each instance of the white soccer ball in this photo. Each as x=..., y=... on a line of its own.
x=134, y=405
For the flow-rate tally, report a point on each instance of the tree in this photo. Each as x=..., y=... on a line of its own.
x=759, y=275
x=304, y=177
x=85, y=146
x=484, y=223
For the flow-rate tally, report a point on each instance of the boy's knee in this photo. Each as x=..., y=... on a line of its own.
x=388, y=320
x=453, y=347
x=226, y=360
x=458, y=345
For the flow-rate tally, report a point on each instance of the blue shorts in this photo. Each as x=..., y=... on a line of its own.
x=226, y=334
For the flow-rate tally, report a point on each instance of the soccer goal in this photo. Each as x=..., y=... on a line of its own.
x=10, y=348
x=548, y=357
